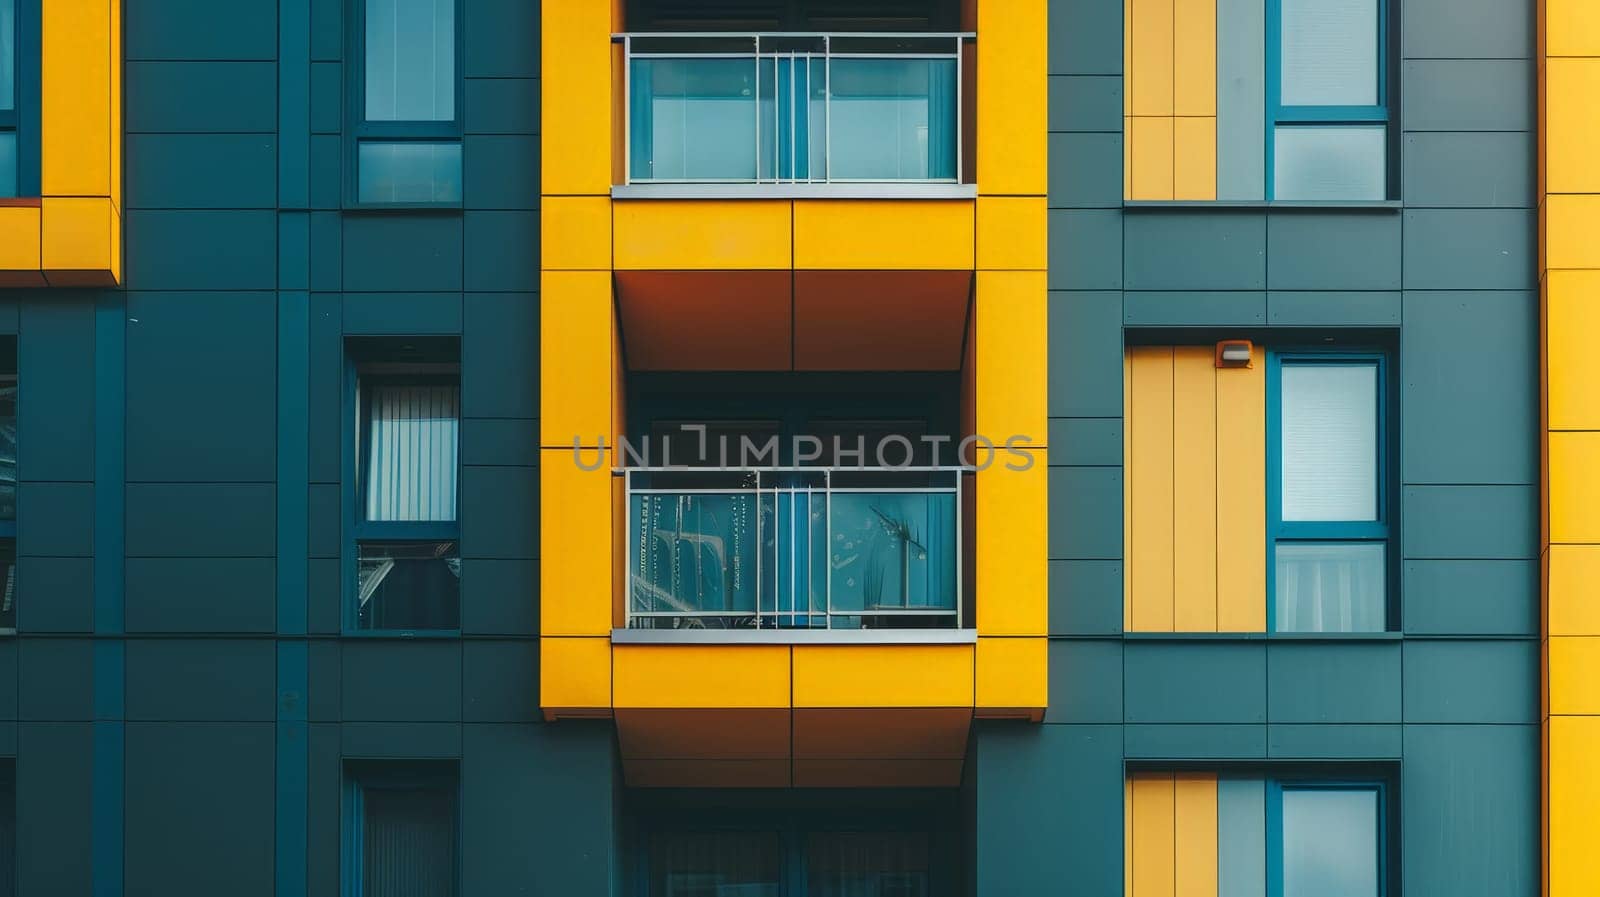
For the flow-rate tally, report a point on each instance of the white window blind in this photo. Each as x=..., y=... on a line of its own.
x=1330, y=53
x=1330, y=442
x=412, y=437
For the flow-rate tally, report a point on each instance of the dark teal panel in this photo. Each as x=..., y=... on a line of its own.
x=1202, y=309
x=1333, y=309
x=1085, y=354
x=1339, y=682
x=1085, y=170
x=499, y=512
x=1195, y=682
x=191, y=351
x=1471, y=811
x=55, y=371
x=502, y=106
x=68, y=584
x=1085, y=38
x=1195, y=250
x=325, y=171
x=1471, y=393
x=192, y=784
x=1477, y=681
x=1085, y=597
x=502, y=39
x=1195, y=742
x=56, y=519
x=201, y=250
x=200, y=29
x=327, y=251
x=323, y=596
x=1314, y=250
x=1471, y=170
x=1086, y=441
x=208, y=97
x=180, y=171
x=500, y=681
x=499, y=597
x=1049, y=809
x=398, y=680
x=499, y=441
x=323, y=519
x=1085, y=248
x=55, y=679
x=1468, y=95
x=499, y=356
x=1086, y=103
x=1471, y=597
x=400, y=741
x=1467, y=29
x=502, y=251
x=8, y=675
x=402, y=313
x=8, y=738
x=200, y=520
x=1085, y=681
x=394, y=253
x=1297, y=741
x=1464, y=522
x=323, y=677
x=327, y=30
x=324, y=804
x=325, y=385
x=181, y=595
x=1470, y=249
x=327, y=97
x=215, y=680
x=54, y=808
x=502, y=172
x=1085, y=513
x=8, y=312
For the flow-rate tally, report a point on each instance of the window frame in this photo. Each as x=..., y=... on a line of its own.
x=1275, y=788
x=358, y=529
x=392, y=775
x=358, y=129
x=23, y=120
x=1327, y=116
x=1379, y=530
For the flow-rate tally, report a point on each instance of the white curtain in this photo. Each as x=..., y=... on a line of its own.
x=1330, y=587
x=411, y=462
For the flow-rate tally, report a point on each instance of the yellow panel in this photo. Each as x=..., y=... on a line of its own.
x=1574, y=794
x=1151, y=155
x=702, y=234
x=883, y=234
x=1572, y=27
x=1013, y=85
x=701, y=676
x=75, y=99
x=1242, y=498
x=1152, y=854
x=76, y=233
x=1013, y=673
x=1194, y=158
x=114, y=55
x=1195, y=833
x=574, y=673
x=575, y=567
x=1013, y=356
x=575, y=127
x=1575, y=674
x=1011, y=232
x=576, y=323
x=1572, y=129
x=1570, y=225
x=1574, y=482
x=1574, y=580
x=1150, y=46
x=575, y=233
x=880, y=675
x=1149, y=477
x=1194, y=57
x=1127, y=157
x=1194, y=490
x=19, y=238
x=1011, y=531
x=1572, y=307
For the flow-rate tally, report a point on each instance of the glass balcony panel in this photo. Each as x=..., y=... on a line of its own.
x=693, y=119
x=892, y=119
x=893, y=551
x=692, y=558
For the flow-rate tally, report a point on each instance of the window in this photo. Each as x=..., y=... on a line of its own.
x=788, y=860
x=1327, y=521
x=1327, y=100
x=402, y=830
x=10, y=70
x=8, y=489
x=407, y=560
x=407, y=103
x=1329, y=840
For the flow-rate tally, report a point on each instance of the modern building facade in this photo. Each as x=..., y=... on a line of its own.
x=890, y=448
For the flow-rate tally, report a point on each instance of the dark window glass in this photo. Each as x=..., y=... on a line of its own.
x=867, y=864
x=408, y=842
x=408, y=585
x=715, y=864
x=8, y=446
x=8, y=829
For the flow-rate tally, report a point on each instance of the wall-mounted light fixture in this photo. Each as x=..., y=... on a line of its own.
x=1234, y=353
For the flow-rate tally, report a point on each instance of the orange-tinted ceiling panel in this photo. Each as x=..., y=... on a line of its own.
x=880, y=320
x=936, y=733
x=742, y=734
x=705, y=320
x=706, y=773
x=877, y=773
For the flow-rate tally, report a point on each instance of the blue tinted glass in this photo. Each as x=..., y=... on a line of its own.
x=892, y=119
x=893, y=551
x=411, y=60
x=8, y=54
x=409, y=172
x=1330, y=52
x=1330, y=843
x=8, y=163
x=692, y=119
x=1346, y=162
x=693, y=554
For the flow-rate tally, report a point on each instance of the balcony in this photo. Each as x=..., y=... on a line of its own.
x=802, y=549
x=763, y=114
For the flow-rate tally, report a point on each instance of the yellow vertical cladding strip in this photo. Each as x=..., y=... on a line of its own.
x=1573, y=664
x=1194, y=58
x=1013, y=349
x=1011, y=233
x=1574, y=479
x=1242, y=498
x=576, y=112
x=1572, y=311
x=575, y=567
x=1571, y=220
x=1149, y=477
x=1013, y=673
x=1574, y=793
x=1152, y=176
x=76, y=233
x=1151, y=43
x=1572, y=129
x=75, y=98
x=574, y=673
x=114, y=60
x=1012, y=524
x=1572, y=27
x=1013, y=85
x=1195, y=834
x=1574, y=571
x=1194, y=158
x=575, y=233
x=1153, y=853
x=1194, y=490
x=576, y=335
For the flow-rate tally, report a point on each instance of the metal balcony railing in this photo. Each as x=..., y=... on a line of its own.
x=794, y=548
x=783, y=108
